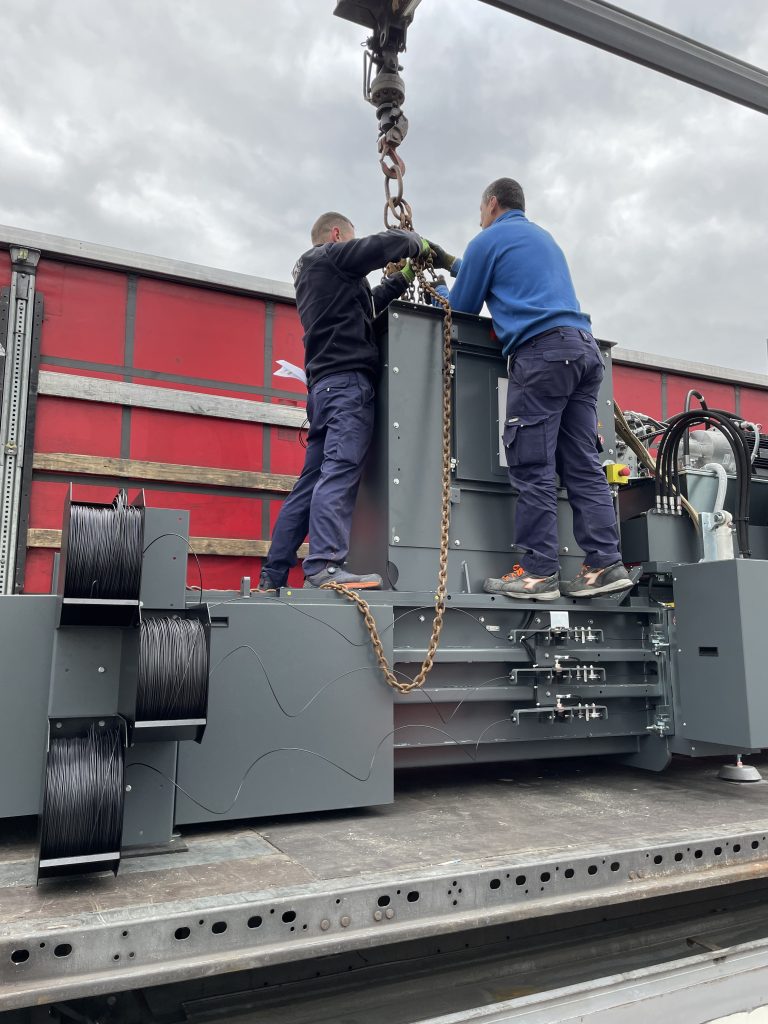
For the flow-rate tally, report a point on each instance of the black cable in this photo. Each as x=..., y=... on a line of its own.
x=83, y=802
x=173, y=669
x=314, y=753
x=104, y=551
x=668, y=472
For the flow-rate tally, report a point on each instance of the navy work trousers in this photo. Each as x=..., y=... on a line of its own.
x=551, y=427
x=340, y=413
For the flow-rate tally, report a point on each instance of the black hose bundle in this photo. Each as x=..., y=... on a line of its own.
x=83, y=804
x=668, y=496
x=173, y=670
x=104, y=550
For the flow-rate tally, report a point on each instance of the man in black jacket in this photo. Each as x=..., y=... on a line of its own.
x=336, y=306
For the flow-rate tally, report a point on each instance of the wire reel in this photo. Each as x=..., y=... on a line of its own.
x=82, y=820
x=104, y=549
x=172, y=684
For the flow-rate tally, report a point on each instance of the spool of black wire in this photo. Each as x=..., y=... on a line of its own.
x=104, y=549
x=173, y=670
x=82, y=818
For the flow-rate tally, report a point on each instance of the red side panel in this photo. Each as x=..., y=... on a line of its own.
x=287, y=344
x=717, y=396
x=753, y=406
x=637, y=389
x=159, y=436
x=84, y=312
x=5, y=269
x=197, y=332
x=79, y=428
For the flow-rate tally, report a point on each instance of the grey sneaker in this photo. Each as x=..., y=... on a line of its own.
x=591, y=582
x=521, y=584
x=349, y=580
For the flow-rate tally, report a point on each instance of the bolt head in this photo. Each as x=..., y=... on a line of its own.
x=396, y=425
x=395, y=539
x=395, y=369
x=325, y=925
x=396, y=481
x=389, y=913
x=345, y=922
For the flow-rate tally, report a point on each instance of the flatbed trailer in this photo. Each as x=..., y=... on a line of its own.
x=457, y=896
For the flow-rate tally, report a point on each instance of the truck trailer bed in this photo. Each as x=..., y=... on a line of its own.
x=458, y=850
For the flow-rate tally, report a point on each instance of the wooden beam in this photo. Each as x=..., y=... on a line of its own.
x=116, y=392
x=133, y=469
x=233, y=547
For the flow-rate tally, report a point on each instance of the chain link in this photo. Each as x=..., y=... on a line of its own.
x=398, y=208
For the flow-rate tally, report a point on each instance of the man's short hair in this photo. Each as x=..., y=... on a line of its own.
x=508, y=192
x=325, y=223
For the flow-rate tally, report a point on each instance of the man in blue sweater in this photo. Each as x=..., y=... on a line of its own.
x=555, y=370
x=336, y=306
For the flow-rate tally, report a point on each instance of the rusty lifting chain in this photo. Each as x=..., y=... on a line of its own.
x=398, y=214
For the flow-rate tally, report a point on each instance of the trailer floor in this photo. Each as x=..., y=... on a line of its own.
x=457, y=850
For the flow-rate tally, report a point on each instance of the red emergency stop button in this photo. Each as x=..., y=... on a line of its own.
x=625, y=471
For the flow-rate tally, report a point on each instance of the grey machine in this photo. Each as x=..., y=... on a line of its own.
x=299, y=717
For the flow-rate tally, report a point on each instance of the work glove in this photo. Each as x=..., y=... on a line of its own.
x=441, y=260
x=408, y=272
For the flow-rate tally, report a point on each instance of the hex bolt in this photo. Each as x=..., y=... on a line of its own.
x=395, y=316
x=128, y=788
x=457, y=543
x=378, y=916
x=396, y=425
x=102, y=670
x=345, y=921
x=389, y=913
x=395, y=369
x=396, y=539
x=325, y=924
x=396, y=481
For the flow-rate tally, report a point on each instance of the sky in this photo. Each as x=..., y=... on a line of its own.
x=216, y=133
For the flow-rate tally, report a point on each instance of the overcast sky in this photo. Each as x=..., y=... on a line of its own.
x=215, y=133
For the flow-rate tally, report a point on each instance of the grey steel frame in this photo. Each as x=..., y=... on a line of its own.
x=173, y=944
x=627, y=35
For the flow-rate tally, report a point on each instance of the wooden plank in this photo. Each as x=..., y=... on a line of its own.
x=115, y=392
x=133, y=469
x=234, y=547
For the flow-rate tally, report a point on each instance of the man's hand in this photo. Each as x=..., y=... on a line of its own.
x=441, y=260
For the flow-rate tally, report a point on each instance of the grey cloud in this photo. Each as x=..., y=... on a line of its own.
x=216, y=134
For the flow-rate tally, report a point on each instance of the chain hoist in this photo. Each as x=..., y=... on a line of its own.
x=386, y=91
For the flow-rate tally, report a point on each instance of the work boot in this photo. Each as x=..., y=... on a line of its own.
x=349, y=580
x=591, y=582
x=521, y=584
x=266, y=585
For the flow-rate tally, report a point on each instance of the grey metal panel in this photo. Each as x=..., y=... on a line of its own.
x=150, y=772
x=72, y=250
x=396, y=525
x=164, y=565
x=27, y=627
x=85, y=672
x=630, y=36
x=720, y=686
x=299, y=717
x=659, y=538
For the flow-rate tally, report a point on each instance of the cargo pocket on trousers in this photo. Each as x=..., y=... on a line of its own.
x=525, y=441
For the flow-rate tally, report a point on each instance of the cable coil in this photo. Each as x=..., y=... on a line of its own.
x=104, y=550
x=173, y=670
x=83, y=803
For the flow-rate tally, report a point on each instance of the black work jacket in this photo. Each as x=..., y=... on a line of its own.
x=337, y=305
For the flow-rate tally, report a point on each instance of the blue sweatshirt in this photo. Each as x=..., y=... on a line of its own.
x=520, y=271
